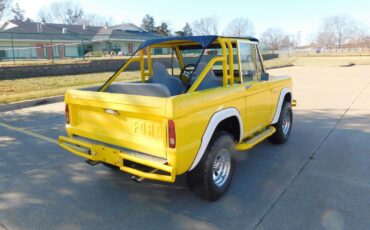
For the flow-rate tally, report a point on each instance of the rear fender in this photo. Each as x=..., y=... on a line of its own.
x=283, y=93
x=216, y=119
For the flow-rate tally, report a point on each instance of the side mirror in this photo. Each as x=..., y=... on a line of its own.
x=265, y=76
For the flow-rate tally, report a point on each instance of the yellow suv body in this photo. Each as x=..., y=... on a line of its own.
x=158, y=129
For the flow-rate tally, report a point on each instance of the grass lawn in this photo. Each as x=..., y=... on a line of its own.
x=32, y=88
x=318, y=61
x=279, y=62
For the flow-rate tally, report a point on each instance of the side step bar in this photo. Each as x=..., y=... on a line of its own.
x=256, y=139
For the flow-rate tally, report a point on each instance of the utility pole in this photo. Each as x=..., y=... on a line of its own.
x=52, y=48
x=299, y=38
x=11, y=38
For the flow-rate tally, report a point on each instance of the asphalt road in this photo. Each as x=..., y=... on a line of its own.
x=318, y=180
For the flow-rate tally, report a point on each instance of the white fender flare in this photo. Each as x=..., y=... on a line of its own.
x=283, y=92
x=212, y=125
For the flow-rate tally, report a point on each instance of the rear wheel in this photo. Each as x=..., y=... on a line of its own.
x=283, y=126
x=211, y=178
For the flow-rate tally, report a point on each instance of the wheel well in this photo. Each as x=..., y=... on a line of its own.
x=230, y=125
x=288, y=98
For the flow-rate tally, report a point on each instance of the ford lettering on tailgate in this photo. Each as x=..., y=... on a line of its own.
x=146, y=128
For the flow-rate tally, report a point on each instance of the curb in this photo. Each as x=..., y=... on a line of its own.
x=281, y=66
x=30, y=103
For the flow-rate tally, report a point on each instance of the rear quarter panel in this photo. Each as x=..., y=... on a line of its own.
x=192, y=114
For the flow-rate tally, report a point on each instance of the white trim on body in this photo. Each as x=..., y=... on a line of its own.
x=215, y=120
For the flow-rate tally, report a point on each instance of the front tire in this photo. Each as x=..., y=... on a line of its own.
x=211, y=178
x=283, y=126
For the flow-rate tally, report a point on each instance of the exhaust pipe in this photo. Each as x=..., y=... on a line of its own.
x=137, y=179
x=92, y=163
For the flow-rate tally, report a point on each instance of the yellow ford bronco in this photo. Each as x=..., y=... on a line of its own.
x=200, y=101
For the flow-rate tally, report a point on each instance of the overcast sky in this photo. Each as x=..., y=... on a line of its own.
x=291, y=16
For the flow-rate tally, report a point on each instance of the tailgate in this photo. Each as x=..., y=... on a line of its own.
x=128, y=121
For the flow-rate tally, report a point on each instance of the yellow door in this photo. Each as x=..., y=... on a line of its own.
x=258, y=106
x=257, y=92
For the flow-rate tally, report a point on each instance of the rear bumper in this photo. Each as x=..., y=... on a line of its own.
x=101, y=153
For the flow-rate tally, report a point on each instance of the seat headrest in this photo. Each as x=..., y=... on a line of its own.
x=201, y=66
x=159, y=70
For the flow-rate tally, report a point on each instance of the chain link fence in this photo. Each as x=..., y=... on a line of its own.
x=313, y=52
x=43, y=47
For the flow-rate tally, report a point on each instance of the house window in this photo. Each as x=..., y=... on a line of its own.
x=55, y=51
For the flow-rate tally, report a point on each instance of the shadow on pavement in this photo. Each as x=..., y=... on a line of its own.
x=64, y=192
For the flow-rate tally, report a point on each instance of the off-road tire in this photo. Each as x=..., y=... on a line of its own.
x=282, y=128
x=201, y=179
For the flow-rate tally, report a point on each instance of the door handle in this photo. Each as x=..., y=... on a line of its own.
x=248, y=86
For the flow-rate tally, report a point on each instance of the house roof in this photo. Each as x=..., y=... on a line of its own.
x=126, y=27
x=62, y=32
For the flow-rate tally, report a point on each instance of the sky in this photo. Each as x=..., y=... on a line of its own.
x=292, y=16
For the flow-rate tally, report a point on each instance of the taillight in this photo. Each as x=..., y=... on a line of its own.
x=68, y=120
x=171, y=134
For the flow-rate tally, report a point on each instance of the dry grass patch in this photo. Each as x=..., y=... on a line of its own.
x=32, y=88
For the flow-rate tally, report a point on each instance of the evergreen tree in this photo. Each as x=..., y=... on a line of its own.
x=148, y=23
x=18, y=13
x=188, y=31
x=163, y=29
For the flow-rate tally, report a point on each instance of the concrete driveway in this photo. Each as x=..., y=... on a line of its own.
x=318, y=180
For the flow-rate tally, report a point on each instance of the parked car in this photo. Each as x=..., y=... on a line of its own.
x=192, y=112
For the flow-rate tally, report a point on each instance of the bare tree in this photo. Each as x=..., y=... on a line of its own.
x=64, y=12
x=360, y=37
x=325, y=39
x=240, y=27
x=311, y=38
x=4, y=5
x=287, y=41
x=92, y=19
x=273, y=38
x=206, y=26
x=338, y=29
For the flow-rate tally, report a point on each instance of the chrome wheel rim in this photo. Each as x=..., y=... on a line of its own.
x=221, y=167
x=286, y=123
